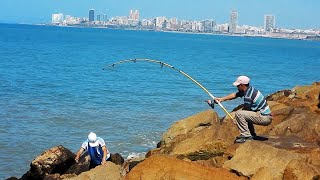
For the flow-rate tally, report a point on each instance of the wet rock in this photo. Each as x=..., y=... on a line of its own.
x=55, y=160
x=166, y=167
x=116, y=159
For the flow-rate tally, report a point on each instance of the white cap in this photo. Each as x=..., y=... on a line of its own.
x=241, y=80
x=92, y=138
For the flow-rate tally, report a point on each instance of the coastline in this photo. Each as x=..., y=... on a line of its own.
x=304, y=36
x=294, y=36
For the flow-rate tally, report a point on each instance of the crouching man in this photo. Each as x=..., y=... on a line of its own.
x=97, y=150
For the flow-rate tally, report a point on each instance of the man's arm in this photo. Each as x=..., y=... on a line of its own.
x=104, y=161
x=228, y=97
x=78, y=154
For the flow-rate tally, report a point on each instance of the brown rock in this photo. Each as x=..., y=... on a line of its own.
x=296, y=170
x=266, y=173
x=116, y=159
x=109, y=172
x=187, y=127
x=55, y=160
x=81, y=166
x=253, y=155
x=299, y=96
x=305, y=125
x=166, y=167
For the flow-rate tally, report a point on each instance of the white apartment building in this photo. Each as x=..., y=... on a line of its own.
x=57, y=18
x=269, y=23
x=134, y=15
x=233, y=22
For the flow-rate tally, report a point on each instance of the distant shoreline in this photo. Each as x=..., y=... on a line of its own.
x=304, y=36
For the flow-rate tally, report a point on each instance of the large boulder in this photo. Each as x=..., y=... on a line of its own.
x=303, y=124
x=299, y=96
x=55, y=160
x=257, y=157
x=200, y=137
x=109, y=172
x=81, y=166
x=297, y=170
x=188, y=127
x=116, y=159
x=167, y=167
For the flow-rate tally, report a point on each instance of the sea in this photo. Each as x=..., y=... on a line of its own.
x=56, y=86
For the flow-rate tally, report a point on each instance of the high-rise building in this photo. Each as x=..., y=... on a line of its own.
x=104, y=17
x=208, y=25
x=57, y=18
x=269, y=22
x=99, y=17
x=159, y=21
x=134, y=15
x=233, y=22
x=91, y=15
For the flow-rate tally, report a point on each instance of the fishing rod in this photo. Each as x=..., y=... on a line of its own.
x=181, y=72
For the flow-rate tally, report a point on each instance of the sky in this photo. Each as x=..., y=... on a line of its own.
x=303, y=14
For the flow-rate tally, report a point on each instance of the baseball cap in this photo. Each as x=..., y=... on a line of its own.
x=92, y=138
x=241, y=80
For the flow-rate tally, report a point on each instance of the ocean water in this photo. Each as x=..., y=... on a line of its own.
x=53, y=90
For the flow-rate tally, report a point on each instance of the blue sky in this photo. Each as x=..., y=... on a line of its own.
x=289, y=13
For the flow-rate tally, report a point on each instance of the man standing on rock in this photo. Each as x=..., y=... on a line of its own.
x=255, y=109
x=97, y=150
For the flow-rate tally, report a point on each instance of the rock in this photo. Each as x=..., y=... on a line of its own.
x=109, y=172
x=116, y=159
x=187, y=127
x=12, y=178
x=280, y=96
x=299, y=96
x=129, y=164
x=190, y=140
x=55, y=160
x=81, y=166
x=253, y=155
x=314, y=156
x=266, y=173
x=296, y=170
x=166, y=167
x=304, y=125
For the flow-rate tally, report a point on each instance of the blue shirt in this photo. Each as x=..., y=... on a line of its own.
x=254, y=101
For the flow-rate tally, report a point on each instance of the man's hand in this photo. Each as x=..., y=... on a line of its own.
x=218, y=100
x=104, y=162
x=76, y=159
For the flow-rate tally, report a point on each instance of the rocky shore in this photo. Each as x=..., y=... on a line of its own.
x=201, y=147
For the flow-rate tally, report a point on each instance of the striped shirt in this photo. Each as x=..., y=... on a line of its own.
x=254, y=101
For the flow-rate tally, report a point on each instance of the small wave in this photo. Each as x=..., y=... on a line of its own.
x=135, y=155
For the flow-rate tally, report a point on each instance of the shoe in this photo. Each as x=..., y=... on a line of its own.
x=242, y=136
x=243, y=139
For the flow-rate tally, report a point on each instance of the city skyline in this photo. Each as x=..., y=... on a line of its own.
x=289, y=14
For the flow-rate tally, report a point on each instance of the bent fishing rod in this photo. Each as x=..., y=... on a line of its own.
x=181, y=72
